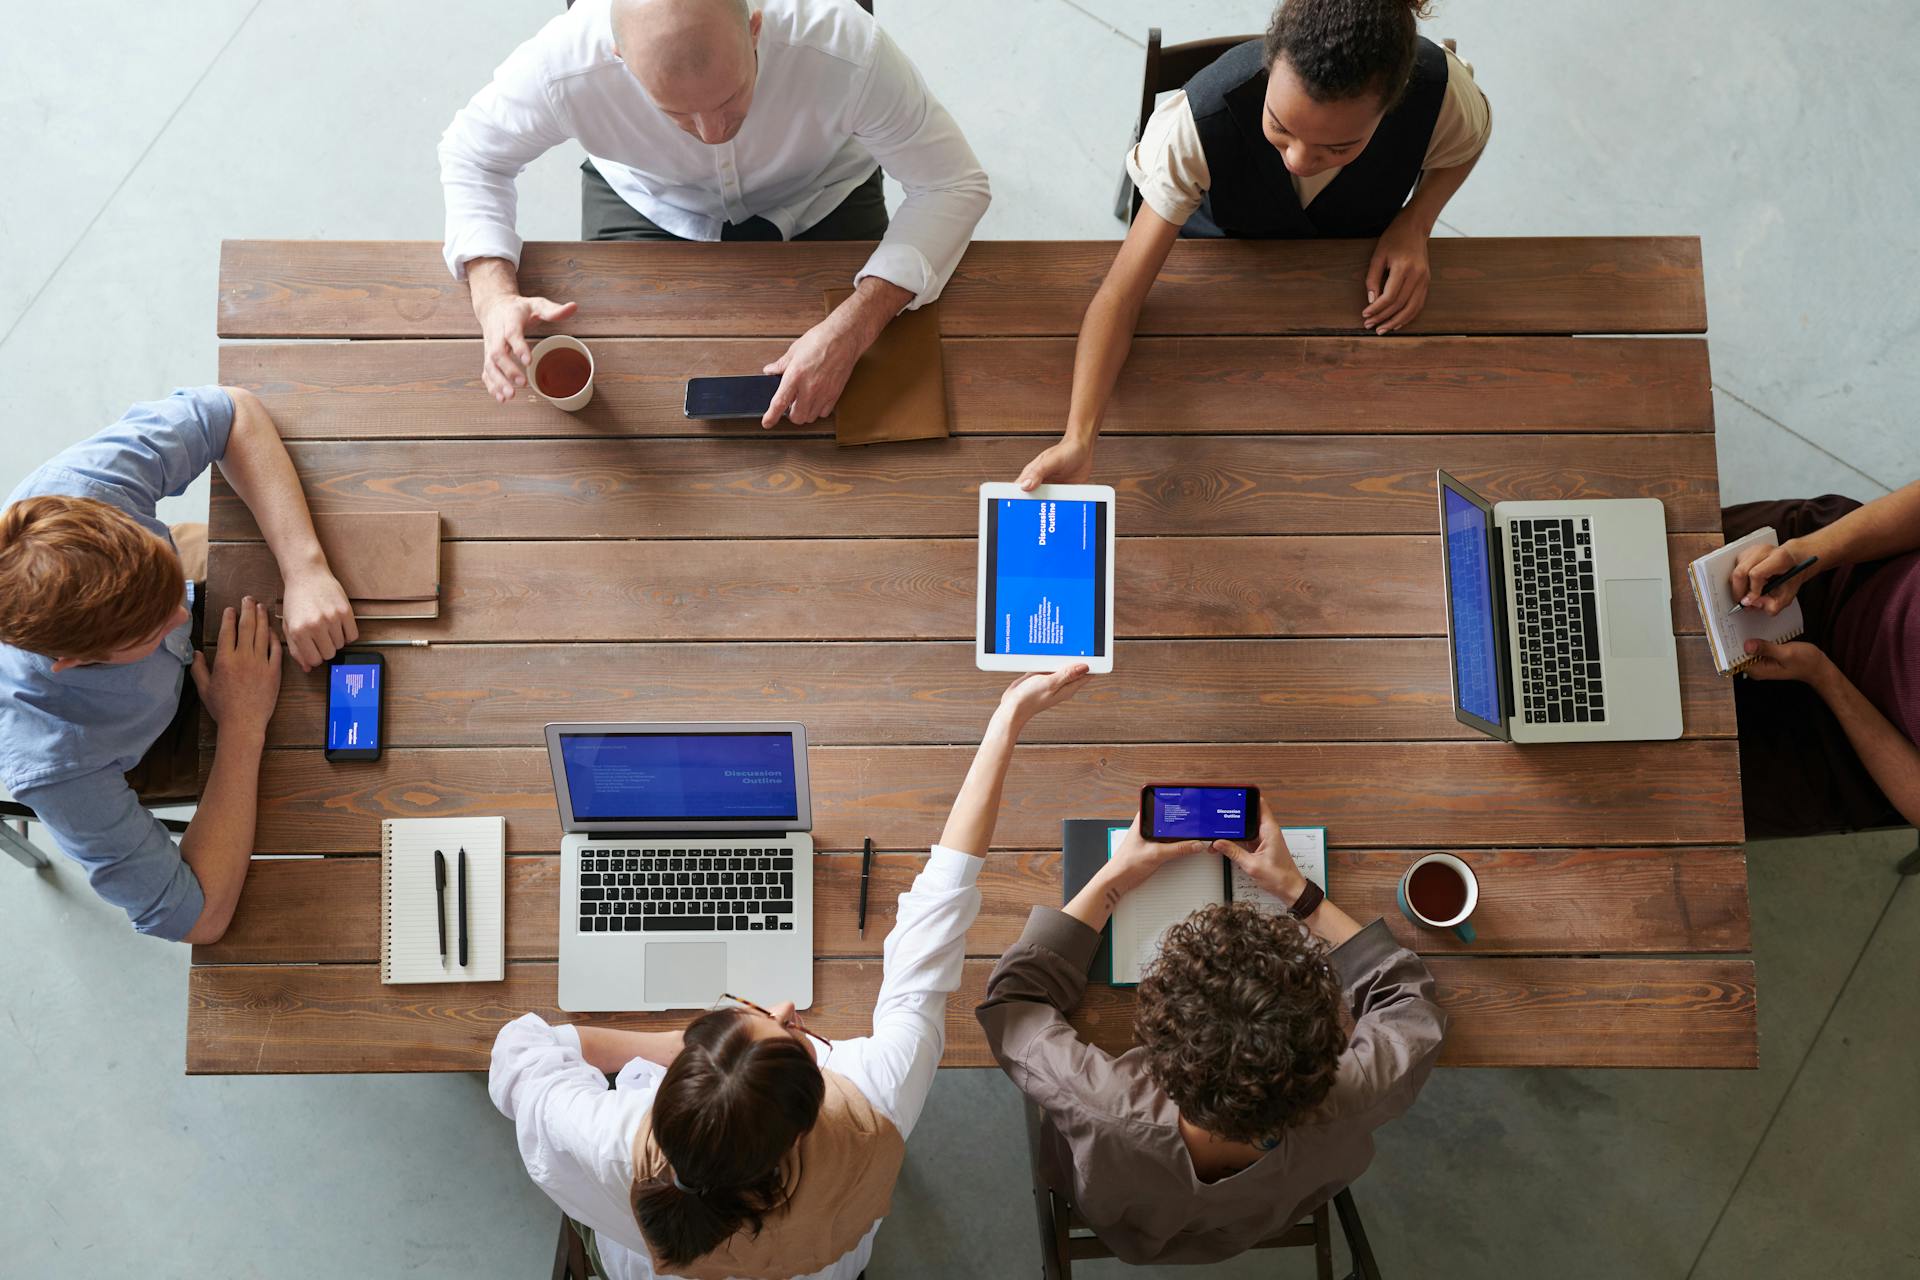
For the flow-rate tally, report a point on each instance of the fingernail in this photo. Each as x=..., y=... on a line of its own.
x=1369, y=295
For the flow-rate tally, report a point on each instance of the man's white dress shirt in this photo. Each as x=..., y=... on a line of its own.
x=834, y=96
x=576, y=1135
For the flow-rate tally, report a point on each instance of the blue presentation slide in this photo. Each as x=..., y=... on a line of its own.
x=703, y=776
x=1200, y=813
x=353, y=707
x=1047, y=578
x=1476, y=663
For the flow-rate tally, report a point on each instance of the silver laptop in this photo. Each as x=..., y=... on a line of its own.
x=1559, y=617
x=686, y=871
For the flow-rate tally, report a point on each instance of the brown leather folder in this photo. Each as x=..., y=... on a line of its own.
x=898, y=390
x=388, y=562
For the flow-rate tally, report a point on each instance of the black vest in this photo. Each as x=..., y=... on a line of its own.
x=1252, y=196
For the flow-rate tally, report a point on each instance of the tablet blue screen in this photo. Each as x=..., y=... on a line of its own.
x=1047, y=587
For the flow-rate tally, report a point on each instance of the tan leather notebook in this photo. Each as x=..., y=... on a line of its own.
x=388, y=562
x=898, y=390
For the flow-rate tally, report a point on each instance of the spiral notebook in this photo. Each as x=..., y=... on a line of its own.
x=1728, y=632
x=410, y=906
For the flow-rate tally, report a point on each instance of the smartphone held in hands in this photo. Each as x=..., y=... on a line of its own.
x=741, y=397
x=356, y=695
x=1170, y=813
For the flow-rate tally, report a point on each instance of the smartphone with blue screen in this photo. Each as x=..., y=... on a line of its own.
x=1199, y=813
x=356, y=696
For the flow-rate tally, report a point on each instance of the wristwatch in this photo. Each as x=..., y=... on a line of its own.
x=1308, y=902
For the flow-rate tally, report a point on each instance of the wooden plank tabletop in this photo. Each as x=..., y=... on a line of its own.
x=1278, y=599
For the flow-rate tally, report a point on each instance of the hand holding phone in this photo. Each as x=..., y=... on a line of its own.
x=1199, y=813
x=356, y=693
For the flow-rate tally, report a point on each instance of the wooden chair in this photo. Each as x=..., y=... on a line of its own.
x=1060, y=1248
x=570, y=1255
x=23, y=850
x=1166, y=69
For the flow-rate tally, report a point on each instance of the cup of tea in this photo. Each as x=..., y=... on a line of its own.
x=562, y=372
x=1440, y=892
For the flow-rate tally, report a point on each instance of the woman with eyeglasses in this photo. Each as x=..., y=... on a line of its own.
x=744, y=1145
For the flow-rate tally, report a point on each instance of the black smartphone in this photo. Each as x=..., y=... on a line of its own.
x=745, y=397
x=356, y=693
x=1199, y=813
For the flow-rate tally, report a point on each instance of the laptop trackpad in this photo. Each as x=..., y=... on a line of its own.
x=688, y=974
x=1638, y=622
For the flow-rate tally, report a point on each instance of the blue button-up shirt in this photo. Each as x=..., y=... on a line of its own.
x=66, y=740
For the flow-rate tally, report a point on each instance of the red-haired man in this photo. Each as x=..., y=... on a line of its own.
x=97, y=712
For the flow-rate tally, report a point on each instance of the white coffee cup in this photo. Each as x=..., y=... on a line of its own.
x=561, y=342
x=1470, y=885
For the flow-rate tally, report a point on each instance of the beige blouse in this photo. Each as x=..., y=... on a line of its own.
x=1170, y=168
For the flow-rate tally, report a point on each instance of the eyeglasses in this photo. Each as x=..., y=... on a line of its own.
x=768, y=1013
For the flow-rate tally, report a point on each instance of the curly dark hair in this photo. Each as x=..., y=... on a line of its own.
x=1240, y=1018
x=1341, y=49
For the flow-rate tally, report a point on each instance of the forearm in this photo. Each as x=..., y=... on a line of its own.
x=1093, y=905
x=970, y=825
x=218, y=844
x=609, y=1049
x=256, y=464
x=1436, y=187
x=1887, y=526
x=1106, y=339
x=489, y=280
x=874, y=304
x=1892, y=760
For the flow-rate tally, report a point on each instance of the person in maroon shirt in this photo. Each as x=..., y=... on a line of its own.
x=1829, y=722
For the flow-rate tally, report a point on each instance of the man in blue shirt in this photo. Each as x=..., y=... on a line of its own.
x=96, y=646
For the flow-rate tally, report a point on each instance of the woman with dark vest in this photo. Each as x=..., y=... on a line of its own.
x=744, y=1145
x=1342, y=122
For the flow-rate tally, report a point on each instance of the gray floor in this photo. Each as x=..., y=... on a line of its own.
x=144, y=133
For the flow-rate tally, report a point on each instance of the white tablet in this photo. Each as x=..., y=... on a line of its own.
x=1046, y=578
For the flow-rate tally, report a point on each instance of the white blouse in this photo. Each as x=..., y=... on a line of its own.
x=576, y=1135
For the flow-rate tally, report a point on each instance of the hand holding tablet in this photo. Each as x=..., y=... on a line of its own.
x=1045, y=588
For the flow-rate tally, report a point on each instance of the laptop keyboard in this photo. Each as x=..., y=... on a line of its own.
x=1551, y=565
x=637, y=889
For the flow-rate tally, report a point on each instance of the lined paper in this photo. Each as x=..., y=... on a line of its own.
x=409, y=932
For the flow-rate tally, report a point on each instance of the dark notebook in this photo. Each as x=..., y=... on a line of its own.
x=1084, y=843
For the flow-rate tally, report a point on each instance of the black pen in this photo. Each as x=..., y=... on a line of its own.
x=866, y=871
x=440, y=899
x=463, y=908
x=1767, y=590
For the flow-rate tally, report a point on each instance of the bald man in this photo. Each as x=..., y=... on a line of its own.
x=710, y=120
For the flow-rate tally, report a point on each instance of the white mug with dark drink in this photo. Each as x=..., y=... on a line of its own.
x=562, y=372
x=1440, y=892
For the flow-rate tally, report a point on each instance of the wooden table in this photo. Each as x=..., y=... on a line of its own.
x=1279, y=593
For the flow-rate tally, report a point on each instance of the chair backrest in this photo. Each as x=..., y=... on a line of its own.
x=1060, y=1248
x=1169, y=67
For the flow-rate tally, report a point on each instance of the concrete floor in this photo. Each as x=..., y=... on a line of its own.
x=145, y=133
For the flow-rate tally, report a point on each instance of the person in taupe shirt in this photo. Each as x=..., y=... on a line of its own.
x=1269, y=1053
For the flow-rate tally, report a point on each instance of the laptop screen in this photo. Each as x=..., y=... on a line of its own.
x=682, y=777
x=1470, y=601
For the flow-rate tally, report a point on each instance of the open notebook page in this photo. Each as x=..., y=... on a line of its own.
x=410, y=936
x=1174, y=892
